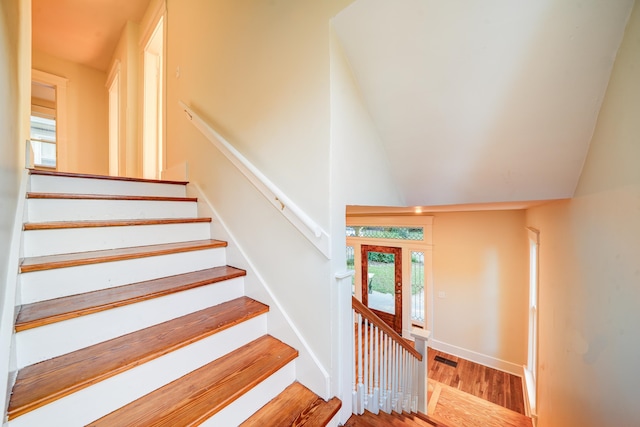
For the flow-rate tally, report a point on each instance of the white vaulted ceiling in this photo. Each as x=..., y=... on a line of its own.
x=483, y=101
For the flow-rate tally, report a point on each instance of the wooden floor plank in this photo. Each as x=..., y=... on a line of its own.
x=487, y=383
x=44, y=382
x=204, y=392
x=94, y=257
x=57, y=225
x=105, y=177
x=456, y=408
x=56, y=310
x=75, y=196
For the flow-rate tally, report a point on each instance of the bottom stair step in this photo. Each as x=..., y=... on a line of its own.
x=197, y=396
x=295, y=406
x=382, y=419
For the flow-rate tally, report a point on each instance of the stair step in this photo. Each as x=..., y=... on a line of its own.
x=42, y=383
x=57, y=225
x=74, y=196
x=106, y=177
x=59, y=237
x=59, y=309
x=382, y=419
x=204, y=392
x=295, y=406
x=94, y=257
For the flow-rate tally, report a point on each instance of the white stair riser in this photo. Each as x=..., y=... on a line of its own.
x=43, y=210
x=45, y=342
x=60, y=241
x=104, y=397
x=48, y=284
x=61, y=184
x=254, y=399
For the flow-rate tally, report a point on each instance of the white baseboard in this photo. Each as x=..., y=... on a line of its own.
x=482, y=359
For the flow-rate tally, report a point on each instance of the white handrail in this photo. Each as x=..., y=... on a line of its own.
x=309, y=228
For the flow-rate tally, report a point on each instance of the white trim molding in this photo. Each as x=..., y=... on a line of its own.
x=473, y=356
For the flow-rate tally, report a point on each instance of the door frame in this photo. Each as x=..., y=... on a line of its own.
x=426, y=245
x=153, y=53
x=60, y=85
x=393, y=320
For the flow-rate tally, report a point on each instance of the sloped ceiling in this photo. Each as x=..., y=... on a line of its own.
x=483, y=101
x=82, y=31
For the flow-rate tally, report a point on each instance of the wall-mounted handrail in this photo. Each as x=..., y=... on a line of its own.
x=308, y=227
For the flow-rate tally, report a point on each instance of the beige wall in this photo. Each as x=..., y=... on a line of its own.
x=480, y=262
x=15, y=93
x=359, y=168
x=590, y=269
x=87, y=148
x=259, y=73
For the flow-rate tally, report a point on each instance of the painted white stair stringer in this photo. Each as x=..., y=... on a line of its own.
x=68, y=240
x=46, y=342
x=91, y=403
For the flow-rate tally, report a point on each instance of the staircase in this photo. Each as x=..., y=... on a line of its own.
x=129, y=315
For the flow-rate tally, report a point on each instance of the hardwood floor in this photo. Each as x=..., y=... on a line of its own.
x=455, y=408
x=486, y=383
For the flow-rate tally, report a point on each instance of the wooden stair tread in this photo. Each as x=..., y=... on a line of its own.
x=202, y=393
x=430, y=421
x=56, y=225
x=56, y=310
x=44, y=382
x=369, y=419
x=295, y=406
x=76, y=196
x=107, y=255
x=106, y=177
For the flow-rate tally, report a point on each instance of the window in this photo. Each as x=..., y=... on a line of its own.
x=398, y=233
x=43, y=140
x=417, y=288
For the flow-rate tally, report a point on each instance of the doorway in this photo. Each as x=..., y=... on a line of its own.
x=382, y=283
x=152, y=141
x=113, y=85
x=48, y=121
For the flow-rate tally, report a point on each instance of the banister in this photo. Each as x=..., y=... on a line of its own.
x=308, y=227
x=373, y=318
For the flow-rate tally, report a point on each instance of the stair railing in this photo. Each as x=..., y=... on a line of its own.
x=389, y=374
x=308, y=227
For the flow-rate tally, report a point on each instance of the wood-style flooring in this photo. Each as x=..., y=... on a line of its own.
x=454, y=408
x=486, y=383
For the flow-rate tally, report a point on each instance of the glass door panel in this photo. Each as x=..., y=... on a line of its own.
x=382, y=283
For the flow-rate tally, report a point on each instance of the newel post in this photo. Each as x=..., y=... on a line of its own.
x=421, y=337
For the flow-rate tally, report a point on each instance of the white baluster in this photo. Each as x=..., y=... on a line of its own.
x=360, y=403
x=375, y=407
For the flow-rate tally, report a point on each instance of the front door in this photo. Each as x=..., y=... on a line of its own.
x=382, y=283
